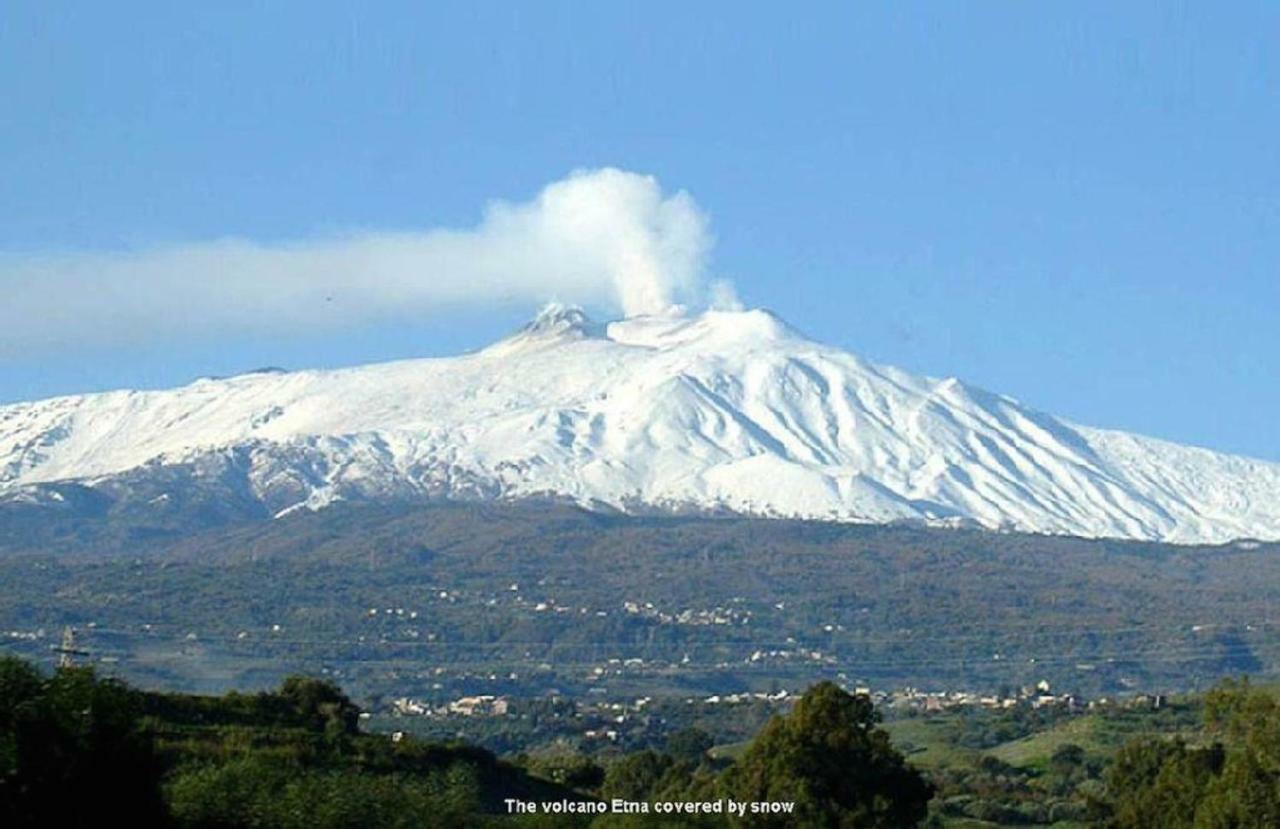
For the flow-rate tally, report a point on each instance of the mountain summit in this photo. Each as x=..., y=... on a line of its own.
x=720, y=411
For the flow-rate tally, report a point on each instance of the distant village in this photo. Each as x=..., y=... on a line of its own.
x=602, y=684
x=903, y=701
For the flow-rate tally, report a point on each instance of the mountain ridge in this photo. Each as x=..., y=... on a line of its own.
x=720, y=411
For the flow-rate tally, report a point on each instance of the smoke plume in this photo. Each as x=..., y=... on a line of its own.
x=597, y=237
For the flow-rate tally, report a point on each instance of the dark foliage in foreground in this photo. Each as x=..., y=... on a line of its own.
x=71, y=750
x=76, y=749
x=829, y=758
x=1228, y=778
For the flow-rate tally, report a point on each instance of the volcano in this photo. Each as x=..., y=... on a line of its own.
x=719, y=412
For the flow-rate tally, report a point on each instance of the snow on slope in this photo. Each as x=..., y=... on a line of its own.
x=724, y=411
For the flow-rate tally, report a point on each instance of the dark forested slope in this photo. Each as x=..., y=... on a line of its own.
x=522, y=598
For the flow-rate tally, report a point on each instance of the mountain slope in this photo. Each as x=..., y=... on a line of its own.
x=723, y=411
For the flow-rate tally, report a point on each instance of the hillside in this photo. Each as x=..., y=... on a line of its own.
x=446, y=600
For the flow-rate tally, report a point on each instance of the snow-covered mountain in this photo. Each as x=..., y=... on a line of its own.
x=720, y=411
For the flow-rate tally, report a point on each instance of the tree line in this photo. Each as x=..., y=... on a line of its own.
x=77, y=749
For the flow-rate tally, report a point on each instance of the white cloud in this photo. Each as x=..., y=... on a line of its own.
x=600, y=237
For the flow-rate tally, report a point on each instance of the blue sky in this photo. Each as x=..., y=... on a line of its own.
x=1078, y=206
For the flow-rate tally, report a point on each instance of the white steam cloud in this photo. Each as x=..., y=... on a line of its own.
x=599, y=237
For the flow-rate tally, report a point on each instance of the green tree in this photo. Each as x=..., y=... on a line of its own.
x=635, y=777
x=573, y=770
x=1247, y=793
x=690, y=744
x=321, y=704
x=1234, y=781
x=72, y=749
x=830, y=759
x=260, y=791
x=1066, y=759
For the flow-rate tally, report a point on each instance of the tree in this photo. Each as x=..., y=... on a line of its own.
x=635, y=777
x=1247, y=793
x=573, y=770
x=1159, y=783
x=321, y=705
x=1232, y=782
x=72, y=749
x=829, y=758
x=1066, y=759
x=690, y=744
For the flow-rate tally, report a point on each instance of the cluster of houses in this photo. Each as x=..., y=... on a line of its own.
x=736, y=699
x=902, y=699
x=713, y=616
x=1039, y=695
x=477, y=706
x=790, y=655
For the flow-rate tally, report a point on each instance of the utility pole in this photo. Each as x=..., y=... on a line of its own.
x=67, y=651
